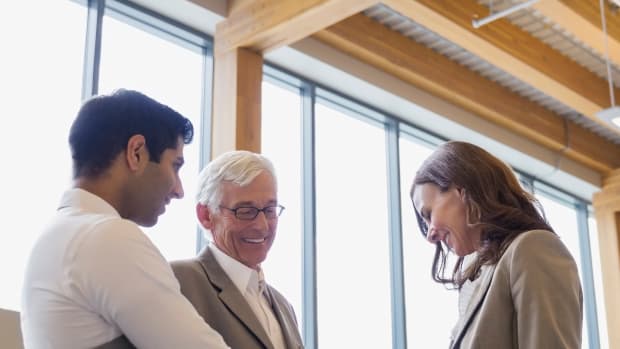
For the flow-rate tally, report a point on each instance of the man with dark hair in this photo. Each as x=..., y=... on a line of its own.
x=93, y=278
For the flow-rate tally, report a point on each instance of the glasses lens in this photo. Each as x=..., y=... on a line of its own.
x=246, y=212
x=270, y=211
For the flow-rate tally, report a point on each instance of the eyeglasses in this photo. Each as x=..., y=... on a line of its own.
x=248, y=213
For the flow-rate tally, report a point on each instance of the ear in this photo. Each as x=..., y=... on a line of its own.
x=136, y=153
x=204, y=216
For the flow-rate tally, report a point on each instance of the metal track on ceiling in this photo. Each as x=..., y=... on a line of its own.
x=530, y=21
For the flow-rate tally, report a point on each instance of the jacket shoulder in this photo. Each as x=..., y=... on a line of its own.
x=186, y=268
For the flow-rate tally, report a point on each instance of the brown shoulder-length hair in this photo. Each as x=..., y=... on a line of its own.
x=496, y=203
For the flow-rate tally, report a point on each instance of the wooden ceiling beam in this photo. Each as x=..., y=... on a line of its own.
x=582, y=19
x=389, y=51
x=514, y=51
x=263, y=25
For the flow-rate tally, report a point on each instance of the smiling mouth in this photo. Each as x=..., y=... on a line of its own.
x=255, y=241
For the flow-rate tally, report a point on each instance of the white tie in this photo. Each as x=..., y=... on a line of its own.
x=266, y=316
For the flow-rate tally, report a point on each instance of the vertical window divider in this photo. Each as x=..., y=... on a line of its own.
x=92, y=48
x=589, y=295
x=309, y=281
x=205, y=124
x=397, y=287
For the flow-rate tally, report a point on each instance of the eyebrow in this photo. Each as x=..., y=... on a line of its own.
x=251, y=203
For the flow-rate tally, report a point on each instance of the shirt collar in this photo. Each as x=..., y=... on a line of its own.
x=242, y=276
x=77, y=197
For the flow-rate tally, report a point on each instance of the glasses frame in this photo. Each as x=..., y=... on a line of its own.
x=279, y=208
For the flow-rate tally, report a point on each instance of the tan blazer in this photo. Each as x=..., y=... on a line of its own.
x=530, y=299
x=223, y=307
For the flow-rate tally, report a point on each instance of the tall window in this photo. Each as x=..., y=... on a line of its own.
x=427, y=302
x=41, y=72
x=352, y=232
x=281, y=112
x=563, y=220
x=40, y=81
x=135, y=59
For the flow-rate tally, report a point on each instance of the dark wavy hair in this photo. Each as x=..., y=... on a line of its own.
x=496, y=203
x=105, y=123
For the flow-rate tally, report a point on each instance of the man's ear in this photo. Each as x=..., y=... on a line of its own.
x=204, y=216
x=136, y=153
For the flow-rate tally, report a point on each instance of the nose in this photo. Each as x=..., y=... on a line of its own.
x=177, y=191
x=261, y=221
x=433, y=234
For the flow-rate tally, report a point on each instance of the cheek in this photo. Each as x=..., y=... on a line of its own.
x=221, y=232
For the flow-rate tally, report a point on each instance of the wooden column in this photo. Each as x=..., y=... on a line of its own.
x=236, y=101
x=251, y=28
x=607, y=212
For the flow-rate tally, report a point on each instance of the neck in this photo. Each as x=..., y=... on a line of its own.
x=104, y=188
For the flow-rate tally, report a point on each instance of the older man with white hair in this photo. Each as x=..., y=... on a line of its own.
x=238, y=206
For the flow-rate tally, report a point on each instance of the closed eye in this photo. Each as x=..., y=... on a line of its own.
x=177, y=165
x=426, y=214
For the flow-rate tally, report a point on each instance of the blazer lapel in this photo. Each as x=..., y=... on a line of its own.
x=288, y=326
x=232, y=297
x=477, y=297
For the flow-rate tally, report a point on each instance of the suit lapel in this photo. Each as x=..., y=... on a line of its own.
x=232, y=297
x=474, y=304
x=288, y=326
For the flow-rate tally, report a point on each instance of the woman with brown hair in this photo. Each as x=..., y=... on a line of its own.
x=520, y=286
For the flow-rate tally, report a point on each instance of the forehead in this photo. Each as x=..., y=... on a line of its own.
x=261, y=188
x=425, y=194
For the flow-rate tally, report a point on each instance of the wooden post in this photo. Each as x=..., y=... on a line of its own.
x=237, y=101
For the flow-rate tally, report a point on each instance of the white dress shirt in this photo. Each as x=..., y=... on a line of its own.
x=93, y=276
x=251, y=284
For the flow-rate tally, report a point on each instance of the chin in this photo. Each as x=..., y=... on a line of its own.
x=147, y=223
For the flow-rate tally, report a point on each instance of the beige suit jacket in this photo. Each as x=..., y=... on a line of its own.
x=223, y=307
x=530, y=299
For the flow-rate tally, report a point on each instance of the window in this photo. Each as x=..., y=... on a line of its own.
x=350, y=191
x=135, y=59
x=41, y=70
x=352, y=232
x=281, y=111
x=427, y=302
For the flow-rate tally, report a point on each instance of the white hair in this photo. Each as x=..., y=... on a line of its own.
x=239, y=167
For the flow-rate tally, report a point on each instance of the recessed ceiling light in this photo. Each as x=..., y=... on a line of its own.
x=610, y=115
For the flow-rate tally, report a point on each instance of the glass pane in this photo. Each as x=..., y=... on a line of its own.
x=171, y=74
x=281, y=112
x=353, y=271
x=428, y=303
x=598, y=284
x=41, y=78
x=563, y=220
